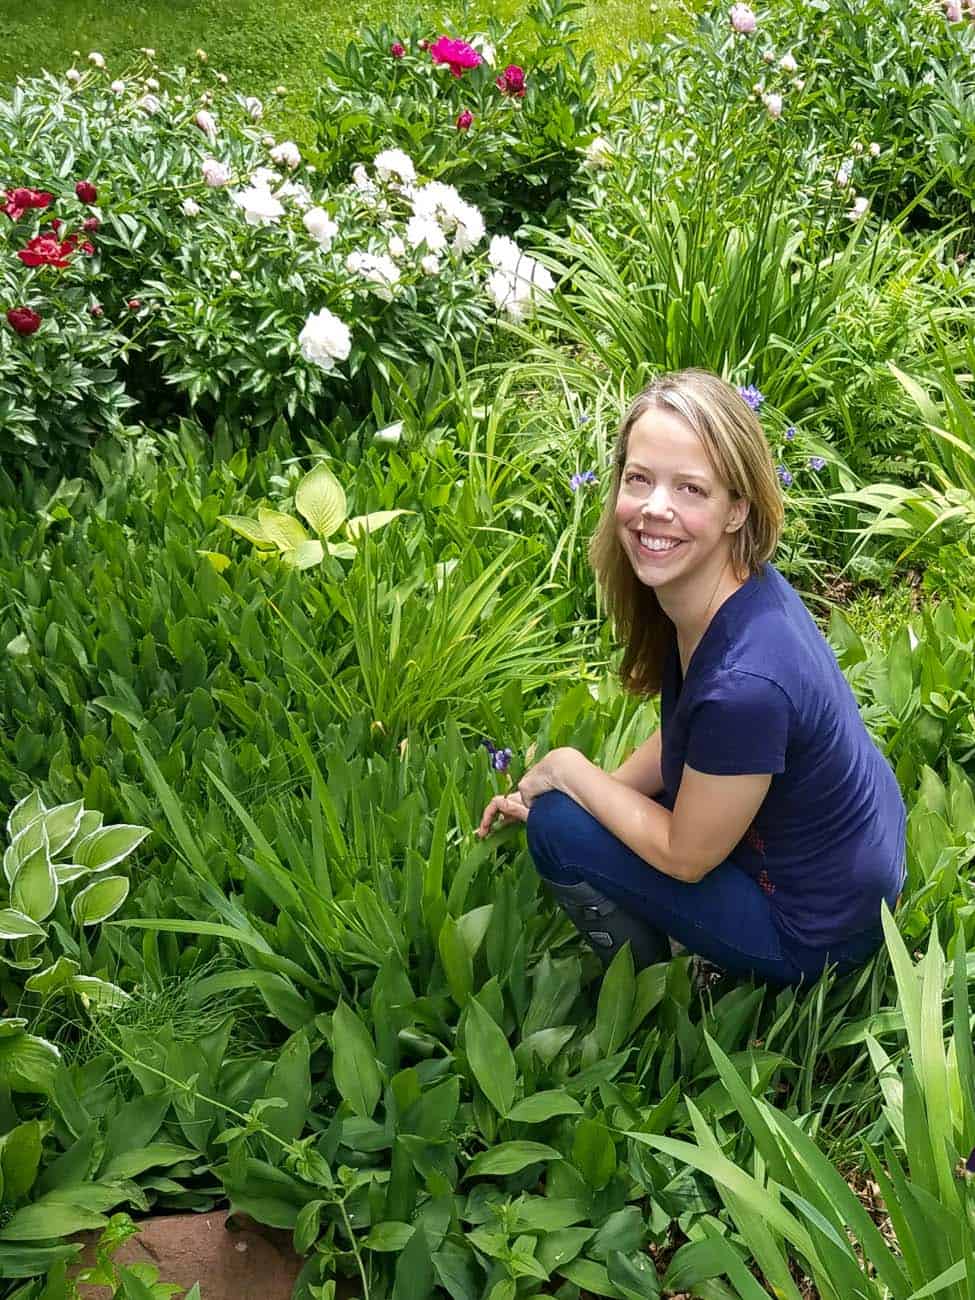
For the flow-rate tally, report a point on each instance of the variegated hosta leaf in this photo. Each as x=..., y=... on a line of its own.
x=305, y=556
x=27, y=1064
x=107, y=846
x=320, y=499
x=100, y=900
x=248, y=528
x=21, y=847
x=61, y=824
x=15, y=925
x=341, y=550
x=35, y=887
x=99, y=993
x=65, y=872
x=217, y=559
x=23, y=813
x=91, y=820
x=53, y=977
x=284, y=531
x=371, y=523
x=12, y=1026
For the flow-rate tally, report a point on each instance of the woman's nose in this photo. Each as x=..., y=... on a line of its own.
x=658, y=502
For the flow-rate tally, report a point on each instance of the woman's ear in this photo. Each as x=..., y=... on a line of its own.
x=737, y=515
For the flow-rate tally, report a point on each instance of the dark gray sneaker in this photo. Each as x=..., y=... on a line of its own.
x=605, y=926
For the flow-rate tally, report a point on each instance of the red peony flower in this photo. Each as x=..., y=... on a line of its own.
x=96, y=310
x=397, y=49
x=48, y=250
x=24, y=320
x=458, y=55
x=19, y=200
x=512, y=81
x=464, y=119
x=86, y=192
x=56, y=224
x=90, y=223
x=133, y=304
x=88, y=248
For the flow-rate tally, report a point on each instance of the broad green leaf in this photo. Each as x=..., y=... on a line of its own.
x=23, y=813
x=247, y=528
x=615, y=1007
x=20, y=1156
x=27, y=1063
x=99, y=993
x=594, y=1153
x=285, y=532
x=320, y=499
x=35, y=887
x=44, y=1222
x=541, y=1106
x=562, y=1246
x=341, y=550
x=547, y=1213
x=219, y=561
x=455, y=957
x=354, y=1065
x=371, y=523
x=108, y=846
x=291, y=1080
x=490, y=1057
x=100, y=900
x=590, y=1276
x=16, y=925
x=305, y=556
x=61, y=824
x=391, y=1236
x=157, y=1155
x=510, y=1158
x=53, y=978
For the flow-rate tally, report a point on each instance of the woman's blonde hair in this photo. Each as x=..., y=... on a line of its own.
x=735, y=444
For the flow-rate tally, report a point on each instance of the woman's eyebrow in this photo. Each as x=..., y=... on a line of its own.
x=680, y=473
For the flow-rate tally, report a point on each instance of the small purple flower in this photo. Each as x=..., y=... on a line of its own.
x=816, y=462
x=752, y=396
x=784, y=476
x=970, y=1163
x=584, y=419
x=577, y=480
x=790, y=433
x=498, y=758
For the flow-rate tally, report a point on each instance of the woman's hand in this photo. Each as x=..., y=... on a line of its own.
x=544, y=776
x=511, y=807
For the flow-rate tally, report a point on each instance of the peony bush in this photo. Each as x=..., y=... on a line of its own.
x=162, y=254
x=506, y=115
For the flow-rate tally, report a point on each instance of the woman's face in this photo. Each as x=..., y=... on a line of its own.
x=675, y=519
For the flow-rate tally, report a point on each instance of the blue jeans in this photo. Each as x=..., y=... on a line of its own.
x=725, y=918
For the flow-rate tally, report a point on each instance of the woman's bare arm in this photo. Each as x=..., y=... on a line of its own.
x=641, y=771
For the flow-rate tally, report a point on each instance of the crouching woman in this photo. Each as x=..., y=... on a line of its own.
x=760, y=826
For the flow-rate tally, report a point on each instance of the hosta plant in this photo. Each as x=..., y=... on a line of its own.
x=320, y=499
x=53, y=855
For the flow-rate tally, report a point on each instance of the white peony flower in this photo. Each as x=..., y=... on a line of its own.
x=215, y=173
x=378, y=269
x=773, y=106
x=788, y=63
x=873, y=148
x=190, y=208
x=72, y=76
x=394, y=163
x=437, y=202
x=152, y=83
x=843, y=173
x=296, y=192
x=599, y=153
x=396, y=246
x=325, y=339
x=234, y=277
x=260, y=206
x=320, y=226
x=254, y=108
x=286, y=154
x=264, y=177
x=430, y=264
x=503, y=253
x=96, y=59
x=469, y=229
x=859, y=209
x=423, y=230
x=517, y=280
x=150, y=104
x=117, y=87
x=207, y=124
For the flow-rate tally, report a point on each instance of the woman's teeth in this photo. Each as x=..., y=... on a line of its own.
x=657, y=543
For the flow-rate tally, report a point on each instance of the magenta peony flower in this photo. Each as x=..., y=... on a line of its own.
x=397, y=49
x=86, y=192
x=18, y=200
x=90, y=224
x=48, y=250
x=512, y=81
x=464, y=119
x=742, y=19
x=458, y=55
x=23, y=320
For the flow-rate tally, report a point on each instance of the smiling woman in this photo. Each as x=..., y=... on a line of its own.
x=760, y=826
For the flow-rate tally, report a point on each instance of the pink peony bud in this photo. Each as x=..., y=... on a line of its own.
x=773, y=105
x=207, y=124
x=133, y=304
x=953, y=11
x=96, y=310
x=86, y=192
x=742, y=19
x=90, y=224
x=397, y=49
x=464, y=120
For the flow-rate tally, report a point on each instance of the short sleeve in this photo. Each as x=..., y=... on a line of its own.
x=739, y=725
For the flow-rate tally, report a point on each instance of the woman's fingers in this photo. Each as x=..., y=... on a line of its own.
x=511, y=807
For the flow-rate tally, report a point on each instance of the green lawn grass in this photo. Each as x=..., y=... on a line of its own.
x=259, y=44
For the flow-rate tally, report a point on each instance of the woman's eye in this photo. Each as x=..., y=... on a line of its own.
x=693, y=488
x=632, y=478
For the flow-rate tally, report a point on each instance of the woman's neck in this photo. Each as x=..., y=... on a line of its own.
x=692, y=609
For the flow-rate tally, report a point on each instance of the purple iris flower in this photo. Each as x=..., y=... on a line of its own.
x=499, y=758
x=752, y=396
x=790, y=433
x=784, y=476
x=577, y=480
x=816, y=462
x=970, y=1163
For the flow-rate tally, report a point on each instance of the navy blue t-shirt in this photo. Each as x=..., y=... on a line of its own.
x=764, y=693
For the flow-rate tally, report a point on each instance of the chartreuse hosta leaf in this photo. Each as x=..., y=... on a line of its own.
x=320, y=499
x=284, y=531
x=361, y=524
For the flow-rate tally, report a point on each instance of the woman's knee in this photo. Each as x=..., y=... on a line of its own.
x=553, y=825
